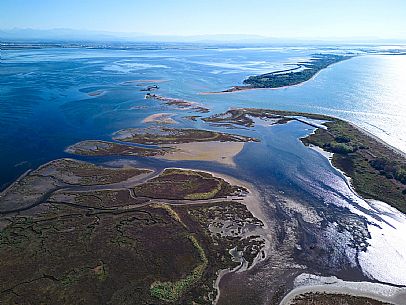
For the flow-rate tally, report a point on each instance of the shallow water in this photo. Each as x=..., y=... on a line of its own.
x=45, y=106
x=366, y=90
x=298, y=172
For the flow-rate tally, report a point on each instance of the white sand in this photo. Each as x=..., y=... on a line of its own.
x=161, y=118
x=222, y=152
x=309, y=283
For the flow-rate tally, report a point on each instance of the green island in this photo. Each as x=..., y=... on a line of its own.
x=290, y=77
x=166, y=143
x=244, y=117
x=377, y=171
x=104, y=148
x=175, y=135
x=190, y=184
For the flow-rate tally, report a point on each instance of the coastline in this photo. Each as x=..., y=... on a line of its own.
x=374, y=167
x=160, y=118
x=376, y=138
x=3, y=192
x=332, y=285
x=119, y=225
x=221, y=152
x=241, y=88
x=236, y=89
x=252, y=201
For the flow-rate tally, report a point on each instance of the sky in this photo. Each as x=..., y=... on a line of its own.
x=272, y=18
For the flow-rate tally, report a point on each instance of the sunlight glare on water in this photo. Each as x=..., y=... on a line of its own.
x=384, y=94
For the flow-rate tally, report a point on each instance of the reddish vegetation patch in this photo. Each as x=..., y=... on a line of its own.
x=185, y=184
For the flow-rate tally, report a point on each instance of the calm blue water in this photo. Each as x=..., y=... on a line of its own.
x=44, y=105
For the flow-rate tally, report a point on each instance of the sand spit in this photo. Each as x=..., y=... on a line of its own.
x=222, y=152
x=160, y=118
x=309, y=283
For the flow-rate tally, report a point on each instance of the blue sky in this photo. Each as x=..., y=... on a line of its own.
x=281, y=18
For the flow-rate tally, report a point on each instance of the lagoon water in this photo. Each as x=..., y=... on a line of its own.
x=45, y=106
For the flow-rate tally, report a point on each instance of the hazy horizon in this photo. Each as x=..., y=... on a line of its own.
x=72, y=35
x=294, y=20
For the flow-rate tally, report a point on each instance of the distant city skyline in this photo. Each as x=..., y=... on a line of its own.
x=314, y=19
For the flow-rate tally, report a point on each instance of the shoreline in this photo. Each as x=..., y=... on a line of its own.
x=355, y=153
x=181, y=104
x=160, y=118
x=236, y=89
x=241, y=88
x=19, y=178
x=252, y=202
x=378, y=139
x=332, y=285
x=221, y=152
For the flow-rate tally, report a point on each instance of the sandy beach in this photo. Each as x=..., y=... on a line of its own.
x=308, y=283
x=222, y=152
x=160, y=118
x=394, y=149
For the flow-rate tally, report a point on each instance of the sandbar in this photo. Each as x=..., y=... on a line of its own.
x=307, y=283
x=160, y=118
x=222, y=152
x=96, y=93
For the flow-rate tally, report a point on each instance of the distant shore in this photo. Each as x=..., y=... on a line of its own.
x=242, y=88
x=287, y=78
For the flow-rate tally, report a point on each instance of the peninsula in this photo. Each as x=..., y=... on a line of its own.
x=377, y=170
x=289, y=77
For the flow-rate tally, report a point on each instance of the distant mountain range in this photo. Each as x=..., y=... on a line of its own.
x=33, y=35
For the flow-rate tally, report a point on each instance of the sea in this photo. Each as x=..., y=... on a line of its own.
x=51, y=98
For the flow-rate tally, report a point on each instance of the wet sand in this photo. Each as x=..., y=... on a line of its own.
x=160, y=118
x=307, y=283
x=254, y=203
x=252, y=200
x=222, y=152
